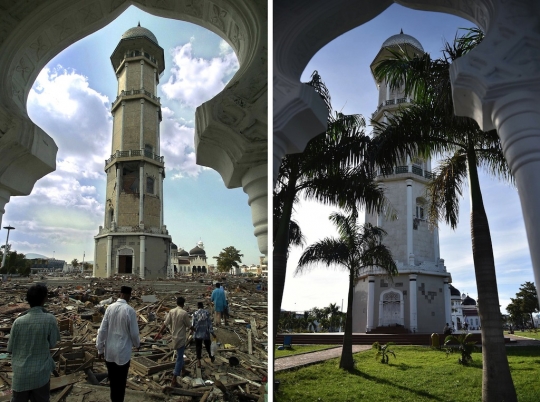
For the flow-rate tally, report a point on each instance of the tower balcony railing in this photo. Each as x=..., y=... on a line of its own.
x=141, y=91
x=390, y=102
x=137, y=53
x=406, y=169
x=134, y=153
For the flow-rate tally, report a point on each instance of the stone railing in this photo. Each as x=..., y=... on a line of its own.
x=134, y=153
x=390, y=102
x=141, y=91
x=405, y=169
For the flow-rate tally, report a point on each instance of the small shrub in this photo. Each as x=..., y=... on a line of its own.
x=465, y=347
x=383, y=351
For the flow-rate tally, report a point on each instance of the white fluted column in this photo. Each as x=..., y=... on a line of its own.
x=158, y=132
x=95, y=258
x=413, y=303
x=142, y=75
x=141, y=128
x=118, y=184
x=255, y=185
x=409, y=213
x=447, y=302
x=141, y=194
x=142, y=256
x=109, y=256
x=123, y=128
x=370, y=303
x=160, y=192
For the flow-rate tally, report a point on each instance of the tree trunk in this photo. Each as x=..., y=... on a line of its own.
x=497, y=382
x=281, y=246
x=347, y=361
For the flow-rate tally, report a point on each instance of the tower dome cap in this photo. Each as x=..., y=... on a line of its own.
x=139, y=31
x=402, y=39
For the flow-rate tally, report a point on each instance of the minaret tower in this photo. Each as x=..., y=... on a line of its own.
x=134, y=239
x=418, y=299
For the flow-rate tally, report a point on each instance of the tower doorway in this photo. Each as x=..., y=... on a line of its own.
x=125, y=264
x=391, y=309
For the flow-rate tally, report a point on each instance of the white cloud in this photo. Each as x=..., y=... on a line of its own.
x=177, y=146
x=196, y=80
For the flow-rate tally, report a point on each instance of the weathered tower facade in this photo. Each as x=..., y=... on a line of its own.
x=418, y=299
x=134, y=239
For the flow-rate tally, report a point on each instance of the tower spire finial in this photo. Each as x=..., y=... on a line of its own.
x=401, y=31
x=139, y=24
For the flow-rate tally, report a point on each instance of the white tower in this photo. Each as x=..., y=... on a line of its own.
x=134, y=239
x=418, y=299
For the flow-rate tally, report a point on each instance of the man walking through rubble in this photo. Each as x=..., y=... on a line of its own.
x=219, y=301
x=202, y=325
x=32, y=335
x=117, y=335
x=179, y=322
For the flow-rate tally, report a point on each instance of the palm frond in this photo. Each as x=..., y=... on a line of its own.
x=446, y=189
x=327, y=251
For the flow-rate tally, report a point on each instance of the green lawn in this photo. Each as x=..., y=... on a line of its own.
x=526, y=334
x=299, y=349
x=417, y=374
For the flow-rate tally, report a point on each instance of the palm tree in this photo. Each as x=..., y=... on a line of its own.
x=358, y=247
x=331, y=171
x=429, y=127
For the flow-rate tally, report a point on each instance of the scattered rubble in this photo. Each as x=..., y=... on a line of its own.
x=238, y=373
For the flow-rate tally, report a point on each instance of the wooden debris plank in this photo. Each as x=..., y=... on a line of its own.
x=147, y=366
x=244, y=379
x=62, y=381
x=254, y=327
x=62, y=394
x=183, y=392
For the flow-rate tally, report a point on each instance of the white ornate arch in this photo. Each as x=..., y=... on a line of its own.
x=496, y=84
x=231, y=128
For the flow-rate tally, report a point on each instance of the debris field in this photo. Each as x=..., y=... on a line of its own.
x=238, y=373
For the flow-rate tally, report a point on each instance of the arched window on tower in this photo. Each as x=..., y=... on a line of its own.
x=148, y=151
x=150, y=185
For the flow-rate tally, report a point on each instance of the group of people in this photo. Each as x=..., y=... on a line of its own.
x=34, y=333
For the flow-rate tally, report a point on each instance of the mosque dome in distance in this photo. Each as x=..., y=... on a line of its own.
x=197, y=251
x=468, y=301
x=402, y=39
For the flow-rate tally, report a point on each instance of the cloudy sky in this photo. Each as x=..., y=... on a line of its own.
x=71, y=101
x=344, y=66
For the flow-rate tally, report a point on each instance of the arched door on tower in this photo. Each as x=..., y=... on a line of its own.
x=391, y=308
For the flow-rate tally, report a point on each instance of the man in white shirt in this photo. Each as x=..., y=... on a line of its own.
x=117, y=335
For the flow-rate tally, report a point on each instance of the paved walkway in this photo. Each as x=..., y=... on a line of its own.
x=289, y=362
x=305, y=359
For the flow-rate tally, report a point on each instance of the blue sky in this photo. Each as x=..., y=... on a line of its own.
x=71, y=101
x=344, y=67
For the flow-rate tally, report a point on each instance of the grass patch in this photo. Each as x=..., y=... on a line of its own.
x=299, y=349
x=417, y=374
x=526, y=334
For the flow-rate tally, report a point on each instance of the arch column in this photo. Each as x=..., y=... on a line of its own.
x=117, y=263
x=497, y=84
x=370, y=303
x=142, y=255
x=255, y=185
x=413, y=303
